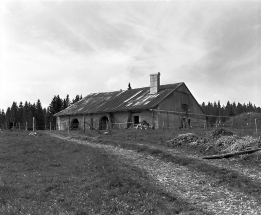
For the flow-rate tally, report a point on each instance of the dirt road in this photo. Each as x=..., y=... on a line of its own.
x=198, y=188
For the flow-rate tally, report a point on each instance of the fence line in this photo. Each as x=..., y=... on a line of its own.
x=252, y=124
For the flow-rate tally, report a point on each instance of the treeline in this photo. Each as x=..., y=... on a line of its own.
x=229, y=110
x=24, y=113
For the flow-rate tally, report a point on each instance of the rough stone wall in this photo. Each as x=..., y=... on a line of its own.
x=144, y=115
x=118, y=120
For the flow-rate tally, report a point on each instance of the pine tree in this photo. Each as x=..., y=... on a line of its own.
x=39, y=116
x=55, y=106
x=8, y=116
x=244, y=108
x=68, y=103
x=234, y=107
x=239, y=108
x=26, y=111
x=20, y=112
x=59, y=104
x=14, y=112
x=231, y=111
x=2, y=119
x=33, y=109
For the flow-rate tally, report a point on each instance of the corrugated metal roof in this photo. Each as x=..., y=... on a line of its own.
x=134, y=99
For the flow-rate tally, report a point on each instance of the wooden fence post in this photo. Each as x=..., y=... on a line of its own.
x=33, y=124
x=50, y=126
x=256, y=126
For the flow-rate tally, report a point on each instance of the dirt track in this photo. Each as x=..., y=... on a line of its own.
x=195, y=187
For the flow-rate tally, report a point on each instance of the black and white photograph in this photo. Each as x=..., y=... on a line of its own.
x=130, y=107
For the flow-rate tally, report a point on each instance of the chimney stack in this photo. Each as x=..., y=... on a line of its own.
x=154, y=83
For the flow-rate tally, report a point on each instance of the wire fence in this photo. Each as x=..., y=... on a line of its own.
x=251, y=125
x=28, y=126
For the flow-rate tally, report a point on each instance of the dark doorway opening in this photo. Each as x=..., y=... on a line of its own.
x=136, y=119
x=74, y=124
x=104, y=123
x=189, y=123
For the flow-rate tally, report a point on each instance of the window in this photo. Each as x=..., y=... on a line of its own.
x=185, y=107
x=136, y=119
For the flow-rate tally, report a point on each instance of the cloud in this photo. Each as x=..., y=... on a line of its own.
x=65, y=47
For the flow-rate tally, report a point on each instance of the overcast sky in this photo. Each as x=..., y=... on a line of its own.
x=52, y=48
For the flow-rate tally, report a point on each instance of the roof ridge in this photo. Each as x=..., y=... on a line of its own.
x=134, y=99
x=135, y=88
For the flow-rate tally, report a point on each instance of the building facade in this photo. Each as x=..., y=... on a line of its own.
x=171, y=106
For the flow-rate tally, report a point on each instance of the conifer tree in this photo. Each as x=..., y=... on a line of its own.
x=20, y=112
x=67, y=100
x=39, y=116
x=14, y=112
x=26, y=111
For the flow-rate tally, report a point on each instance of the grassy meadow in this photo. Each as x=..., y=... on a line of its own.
x=45, y=175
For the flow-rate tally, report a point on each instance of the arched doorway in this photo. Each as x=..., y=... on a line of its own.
x=104, y=123
x=74, y=124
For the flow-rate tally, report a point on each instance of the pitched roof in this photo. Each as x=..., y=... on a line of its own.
x=134, y=99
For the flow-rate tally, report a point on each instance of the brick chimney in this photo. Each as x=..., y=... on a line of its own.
x=154, y=83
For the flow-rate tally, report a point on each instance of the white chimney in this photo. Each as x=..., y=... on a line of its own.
x=154, y=83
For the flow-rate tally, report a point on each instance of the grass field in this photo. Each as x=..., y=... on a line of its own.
x=45, y=175
x=153, y=144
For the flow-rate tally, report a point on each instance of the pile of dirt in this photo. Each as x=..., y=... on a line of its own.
x=189, y=138
x=235, y=143
x=219, y=140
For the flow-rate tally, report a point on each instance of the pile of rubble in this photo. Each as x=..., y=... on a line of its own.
x=143, y=125
x=227, y=141
x=235, y=143
x=33, y=133
x=220, y=139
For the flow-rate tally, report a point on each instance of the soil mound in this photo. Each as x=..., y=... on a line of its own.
x=235, y=143
x=220, y=140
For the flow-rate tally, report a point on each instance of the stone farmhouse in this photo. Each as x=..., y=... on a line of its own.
x=168, y=106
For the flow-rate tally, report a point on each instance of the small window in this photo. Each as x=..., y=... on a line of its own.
x=136, y=119
x=185, y=106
